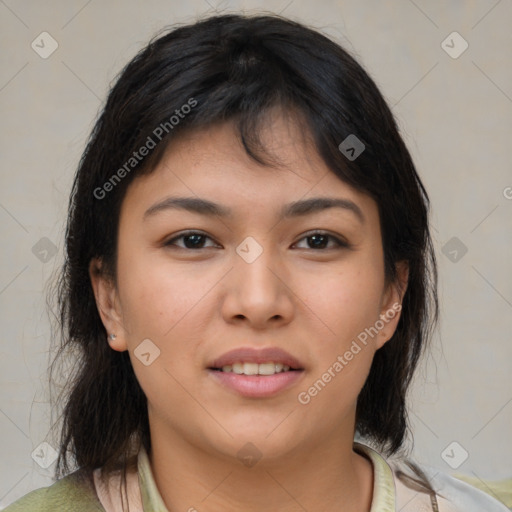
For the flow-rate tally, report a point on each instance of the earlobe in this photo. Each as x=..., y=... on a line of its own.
x=107, y=303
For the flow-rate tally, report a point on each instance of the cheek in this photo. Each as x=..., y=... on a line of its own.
x=156, y=305
x=348, y=301
x=348, y=305
x=154, y=297
x=167, y=306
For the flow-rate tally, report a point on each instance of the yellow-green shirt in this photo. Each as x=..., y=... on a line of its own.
x=77, y=493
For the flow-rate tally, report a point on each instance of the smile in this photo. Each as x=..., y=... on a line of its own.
x=269, y=368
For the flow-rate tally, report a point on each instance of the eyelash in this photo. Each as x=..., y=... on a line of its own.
x=341, y=244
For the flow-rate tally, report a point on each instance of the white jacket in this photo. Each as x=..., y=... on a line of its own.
x=397, y=488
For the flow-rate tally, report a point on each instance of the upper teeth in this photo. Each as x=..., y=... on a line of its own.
x=255, y=368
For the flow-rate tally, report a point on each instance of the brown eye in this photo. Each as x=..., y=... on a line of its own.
x=191, y=240
x=319, y=240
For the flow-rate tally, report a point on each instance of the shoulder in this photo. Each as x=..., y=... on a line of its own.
x=452, y=494
x=69, y=494
x=404, y=485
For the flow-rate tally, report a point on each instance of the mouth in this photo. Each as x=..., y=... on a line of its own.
x=262, y=369
x=256, y=373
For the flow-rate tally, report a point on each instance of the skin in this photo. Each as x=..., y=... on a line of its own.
x=196, y=304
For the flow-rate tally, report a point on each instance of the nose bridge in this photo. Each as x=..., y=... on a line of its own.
x=255, y=258
x=257, y=292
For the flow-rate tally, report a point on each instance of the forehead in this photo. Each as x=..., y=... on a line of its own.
x=211, y=163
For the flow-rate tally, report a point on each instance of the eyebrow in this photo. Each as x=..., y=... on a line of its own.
x=294, y=209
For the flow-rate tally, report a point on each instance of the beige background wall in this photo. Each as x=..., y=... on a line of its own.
x=455, y=113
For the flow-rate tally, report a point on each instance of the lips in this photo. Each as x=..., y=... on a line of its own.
x=260, y=356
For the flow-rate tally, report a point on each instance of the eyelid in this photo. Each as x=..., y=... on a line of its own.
x=184, y=234
x=340, y=241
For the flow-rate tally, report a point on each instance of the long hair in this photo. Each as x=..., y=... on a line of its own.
x=234, y=68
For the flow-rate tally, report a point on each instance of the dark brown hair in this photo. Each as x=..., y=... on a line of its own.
x=235, y=68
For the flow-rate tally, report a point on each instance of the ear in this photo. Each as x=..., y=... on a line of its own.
x=107, y=302
x=392, y=303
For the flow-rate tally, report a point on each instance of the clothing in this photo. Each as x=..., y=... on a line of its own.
x=76, y=492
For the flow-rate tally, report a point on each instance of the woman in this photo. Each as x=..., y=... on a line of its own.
x=250, y=283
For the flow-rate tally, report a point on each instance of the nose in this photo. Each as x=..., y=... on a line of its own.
x=258, y=291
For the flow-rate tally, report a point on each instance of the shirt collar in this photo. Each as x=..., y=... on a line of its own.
x=151, y=498
x=383, y=482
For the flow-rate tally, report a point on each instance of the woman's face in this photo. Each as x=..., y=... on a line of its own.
x=251, y=279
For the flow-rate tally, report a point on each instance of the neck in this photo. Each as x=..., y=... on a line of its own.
x=325, y=477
